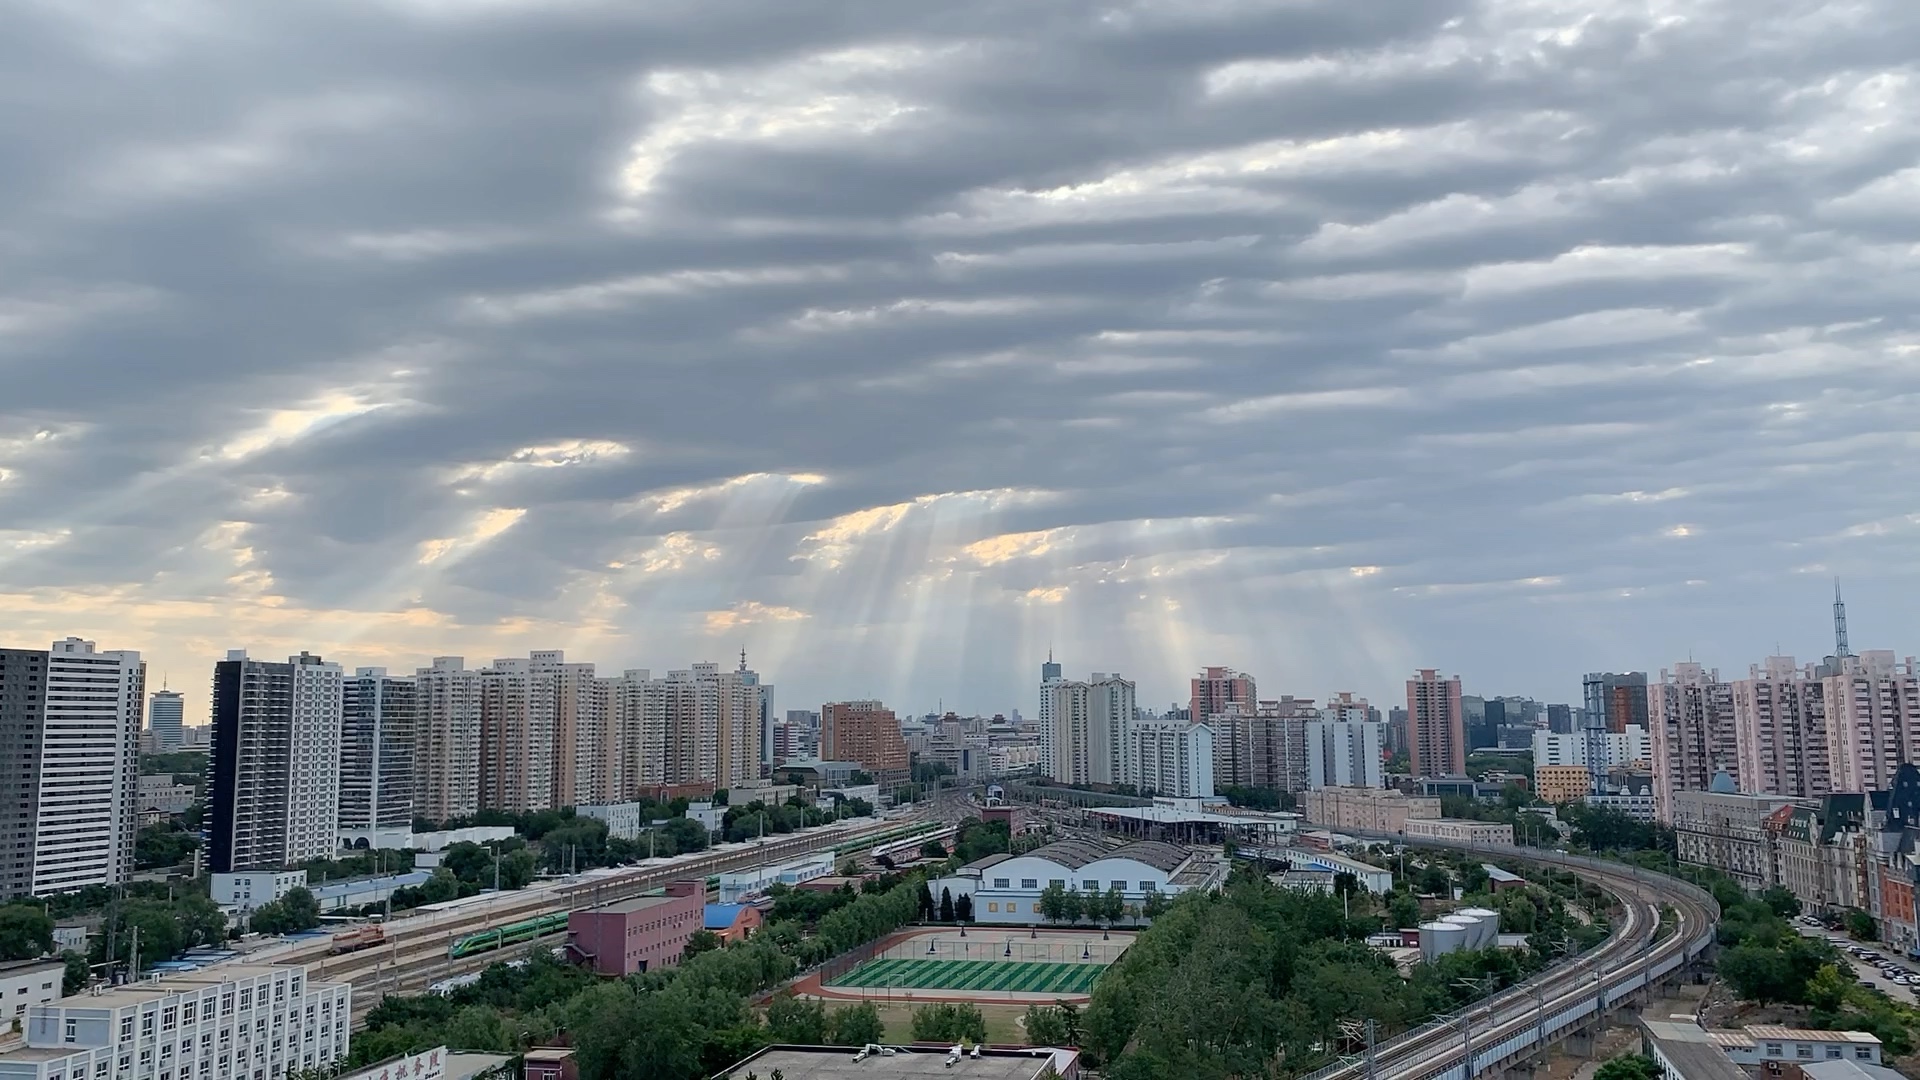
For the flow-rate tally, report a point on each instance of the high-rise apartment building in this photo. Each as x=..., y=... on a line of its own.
x=762, y=700
x=1345, y=708
x=1171, y=758
x=1344, y=753
x=1216, y=689
x=1050, y=673
x=274, y=795
x=516, y=744
x=1263, y=747
x=1780, y=731
x=85, y=819
x=1110, y=715
x=377, y=741
x=866, y=733
x=1439, y=725
x=1067, y=749
x=1872, y=706
x=165, y=716
x=23, y=687
x=1690, y=716
x=446, y=755
x=737, y=710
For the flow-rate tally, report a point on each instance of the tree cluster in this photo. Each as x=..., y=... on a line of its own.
x=290, y=914
x=1254, y=798
x=949, y=1022
x=1258, y=980
x=163, y=844
x=676, y=1024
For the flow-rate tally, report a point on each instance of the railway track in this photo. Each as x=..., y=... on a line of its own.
x=403, y=930
x=1513, y=1025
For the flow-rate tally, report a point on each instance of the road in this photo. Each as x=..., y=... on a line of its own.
x=1862, y=970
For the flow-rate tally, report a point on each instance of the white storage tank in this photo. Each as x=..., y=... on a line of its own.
x=1437, y=938
x=1489, y=921
x=1467, y=923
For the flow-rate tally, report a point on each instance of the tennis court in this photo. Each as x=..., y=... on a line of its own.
x=992, y=976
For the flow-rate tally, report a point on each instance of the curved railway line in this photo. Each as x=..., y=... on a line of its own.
x=1511, y=1027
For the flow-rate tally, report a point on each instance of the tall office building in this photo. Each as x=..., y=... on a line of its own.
x=1436, y=715
x=1872, y=706
x=274, y=795
x=866, y=733
x=1344, y=753
x=1216, y=689
x=1399, y=738
x=1691, y=724
x=1050, y=673
x=1560, y=719
x=164, y=719
x=89, y=768
x=446, y=756
x=378, y=734
x=1780, y=731
x=1473, y=716
x=1616, y=702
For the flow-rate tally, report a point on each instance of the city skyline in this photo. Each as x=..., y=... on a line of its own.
x=1382, y=686
x=898, y=346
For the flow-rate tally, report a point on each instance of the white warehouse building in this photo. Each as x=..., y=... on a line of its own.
x=1006, y=888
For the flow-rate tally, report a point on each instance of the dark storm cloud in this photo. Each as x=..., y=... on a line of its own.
x=903, y=341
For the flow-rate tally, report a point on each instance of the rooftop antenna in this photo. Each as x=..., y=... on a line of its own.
x=1839, y=623
x=743, y=658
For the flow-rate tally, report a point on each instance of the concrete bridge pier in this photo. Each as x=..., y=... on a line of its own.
x=1579, y=1042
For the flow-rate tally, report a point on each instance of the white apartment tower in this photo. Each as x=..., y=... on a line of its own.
x=1872, y=707
x=1691, y=722
x=275, y=764
x=1344, y=753
x=1172, y=758
x=377, y=740
x=446, y=752
x=1110, y=716
x=89, y=769
x=1069, y=749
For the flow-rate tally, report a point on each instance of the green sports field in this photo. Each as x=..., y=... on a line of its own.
x=1016, y=976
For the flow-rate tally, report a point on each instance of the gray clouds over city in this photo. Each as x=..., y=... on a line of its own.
x=899, y=342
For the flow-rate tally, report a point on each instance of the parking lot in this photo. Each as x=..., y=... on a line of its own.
x=1863, y=970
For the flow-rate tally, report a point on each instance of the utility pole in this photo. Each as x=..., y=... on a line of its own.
x=133, y=967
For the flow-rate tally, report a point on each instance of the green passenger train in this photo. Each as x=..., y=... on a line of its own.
x=511, y=934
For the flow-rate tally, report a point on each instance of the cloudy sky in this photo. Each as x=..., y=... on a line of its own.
x=899, y=342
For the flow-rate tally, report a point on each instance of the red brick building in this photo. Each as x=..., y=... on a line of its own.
x=642, y=934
